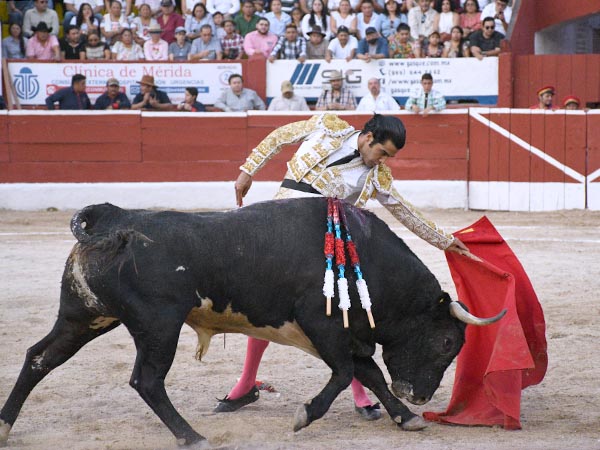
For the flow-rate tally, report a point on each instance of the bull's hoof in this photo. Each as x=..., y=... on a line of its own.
x=414, y=424
x=189, y=444
x=4, y=430
x=301, y=418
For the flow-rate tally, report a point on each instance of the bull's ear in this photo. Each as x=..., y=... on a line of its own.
x=442, y=306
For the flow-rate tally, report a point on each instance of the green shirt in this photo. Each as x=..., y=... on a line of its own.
x=244, y=27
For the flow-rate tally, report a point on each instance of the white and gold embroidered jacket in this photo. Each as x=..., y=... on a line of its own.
x=324, y=135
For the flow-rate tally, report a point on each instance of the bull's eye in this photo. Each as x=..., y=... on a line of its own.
x=447, y=345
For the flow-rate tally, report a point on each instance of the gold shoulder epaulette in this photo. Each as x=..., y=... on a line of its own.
x=334, y=126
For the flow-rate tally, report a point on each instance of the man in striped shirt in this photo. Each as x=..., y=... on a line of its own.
x=424, y=99
x=290, y=46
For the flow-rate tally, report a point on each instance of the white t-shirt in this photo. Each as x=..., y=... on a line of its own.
x=77, y=3
x=339, y=52
x=384, y=102
x=339, y=20
x=490, y=11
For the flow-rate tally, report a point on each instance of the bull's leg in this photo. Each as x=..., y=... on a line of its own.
x=369, y=374
x=65, y=339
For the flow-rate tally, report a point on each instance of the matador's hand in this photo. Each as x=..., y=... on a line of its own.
x=242, y=186
x=459, y=247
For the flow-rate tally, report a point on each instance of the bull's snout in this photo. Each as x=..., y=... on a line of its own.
x=404, y=389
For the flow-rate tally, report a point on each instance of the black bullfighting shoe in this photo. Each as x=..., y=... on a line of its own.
x=227, y=405
x=369, y=412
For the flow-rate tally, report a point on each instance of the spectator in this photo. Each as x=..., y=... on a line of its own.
x=334, y=5
x=373, y=46
x=288, y=101
x=218, y=21
x=485, y=42
x=71, y=46
x=287, y=6
x=571, y=102
x=113, y=23
x=194, y=22
x=126, y=49
x=401, y=46
x=142, y=24
x=86, y=20
x=112, y=98
x=156, y=49
x=73, y=97
x=367, y=18
x=434, y=47
x=95, y=48
x=259, y=8
x=40, y=13
x=247, y=20
x=470, y=19
x=14, y=46
x=296, y=14
x=238, y=98
x=260, y=41
x=73, y=7
x=484, y=3
x=180, y=50
x=232, y=43
x=343, y=17
x=343, y=46
x=501, y=13
x=457, y=46
x=187, y=7
x=277, y=18
x=445, y=19
x=154, y=6
x=377, y=101
x=43, y=45
x=169, y=20
x=16, y=10
x=290, y=46
x=391, y=18
x=150, y=98
x=318, y=16
x=207, y=47
x=229, y=7
x=316, y=47
x=420, y=20
x=127, y=7
x=337, y=97
x=424, y=99
x=545, y=97
x=190, y=102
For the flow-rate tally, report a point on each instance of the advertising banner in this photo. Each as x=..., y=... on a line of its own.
x=456, y=78
x=35, y=81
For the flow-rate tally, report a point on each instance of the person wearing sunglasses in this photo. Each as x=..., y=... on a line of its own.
x=486, y=42
x=501, y=13
x=40, y=13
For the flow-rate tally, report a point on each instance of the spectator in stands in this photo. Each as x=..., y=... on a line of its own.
x=40, y=13
x=169, y=20
x=229, y=7
x=334, y=5
x=485, y=42
x=156, y=49
x=95, y=48
x=372, y=46
x=318, y=16
x=377, y=101
x=16, y=10
x=154, y=6
x=190, y=102
x=259, y=8
x=470, y=19
x=445, y=19
x=218, y=21
x=296, y=15
x=142, y=23
x=150, y=98
x=423, y=99
x=43, y=45
x=367, y=18
x=232, y=43
x=207, y=47
x=336, y=97
x=126, y=49
x=112, y=98
x=187, y=7
x=501, y=13
x=73, y=7
x=113, y=23
x=434, y=47
x=261, y=41
x=391, y=18
x=180, y=50
x=290, y=46
x=401, y=45
x=277, y=18
x=194, y=22
x=238, y=98
x=457, y=46
x=73, y=97
x=127, y=7
x=316, y=47
x=288, y=101
x=420, y=20
x=545, y=97
x=343, y=46
x=571, y=102
x=71, y=46
x=343, y=17
x=14, y=46
x=86, y=20
x=287, y=6
x=247, y=20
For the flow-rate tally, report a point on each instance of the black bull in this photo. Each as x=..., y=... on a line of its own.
x=258, y=271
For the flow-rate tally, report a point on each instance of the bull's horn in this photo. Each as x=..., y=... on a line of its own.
x=465, y=316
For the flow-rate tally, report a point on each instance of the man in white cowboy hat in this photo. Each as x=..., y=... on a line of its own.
x=150, y=98
x=156, y=48
x=288, y=101
x=335, y=97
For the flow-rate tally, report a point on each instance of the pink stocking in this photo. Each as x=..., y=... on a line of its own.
x=254, y=352
x=361, y=399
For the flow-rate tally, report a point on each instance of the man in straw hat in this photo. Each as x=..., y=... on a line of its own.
x=150, y=97
x=156, y=48
x=545, y=96
x=335, y=96
x=334, y=160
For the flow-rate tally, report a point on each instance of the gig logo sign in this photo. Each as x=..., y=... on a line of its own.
x=305, y=74
x=27, y=85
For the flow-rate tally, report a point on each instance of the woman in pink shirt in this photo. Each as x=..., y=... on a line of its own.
x=470, y=19
x=43, y=45
x=156, y=49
